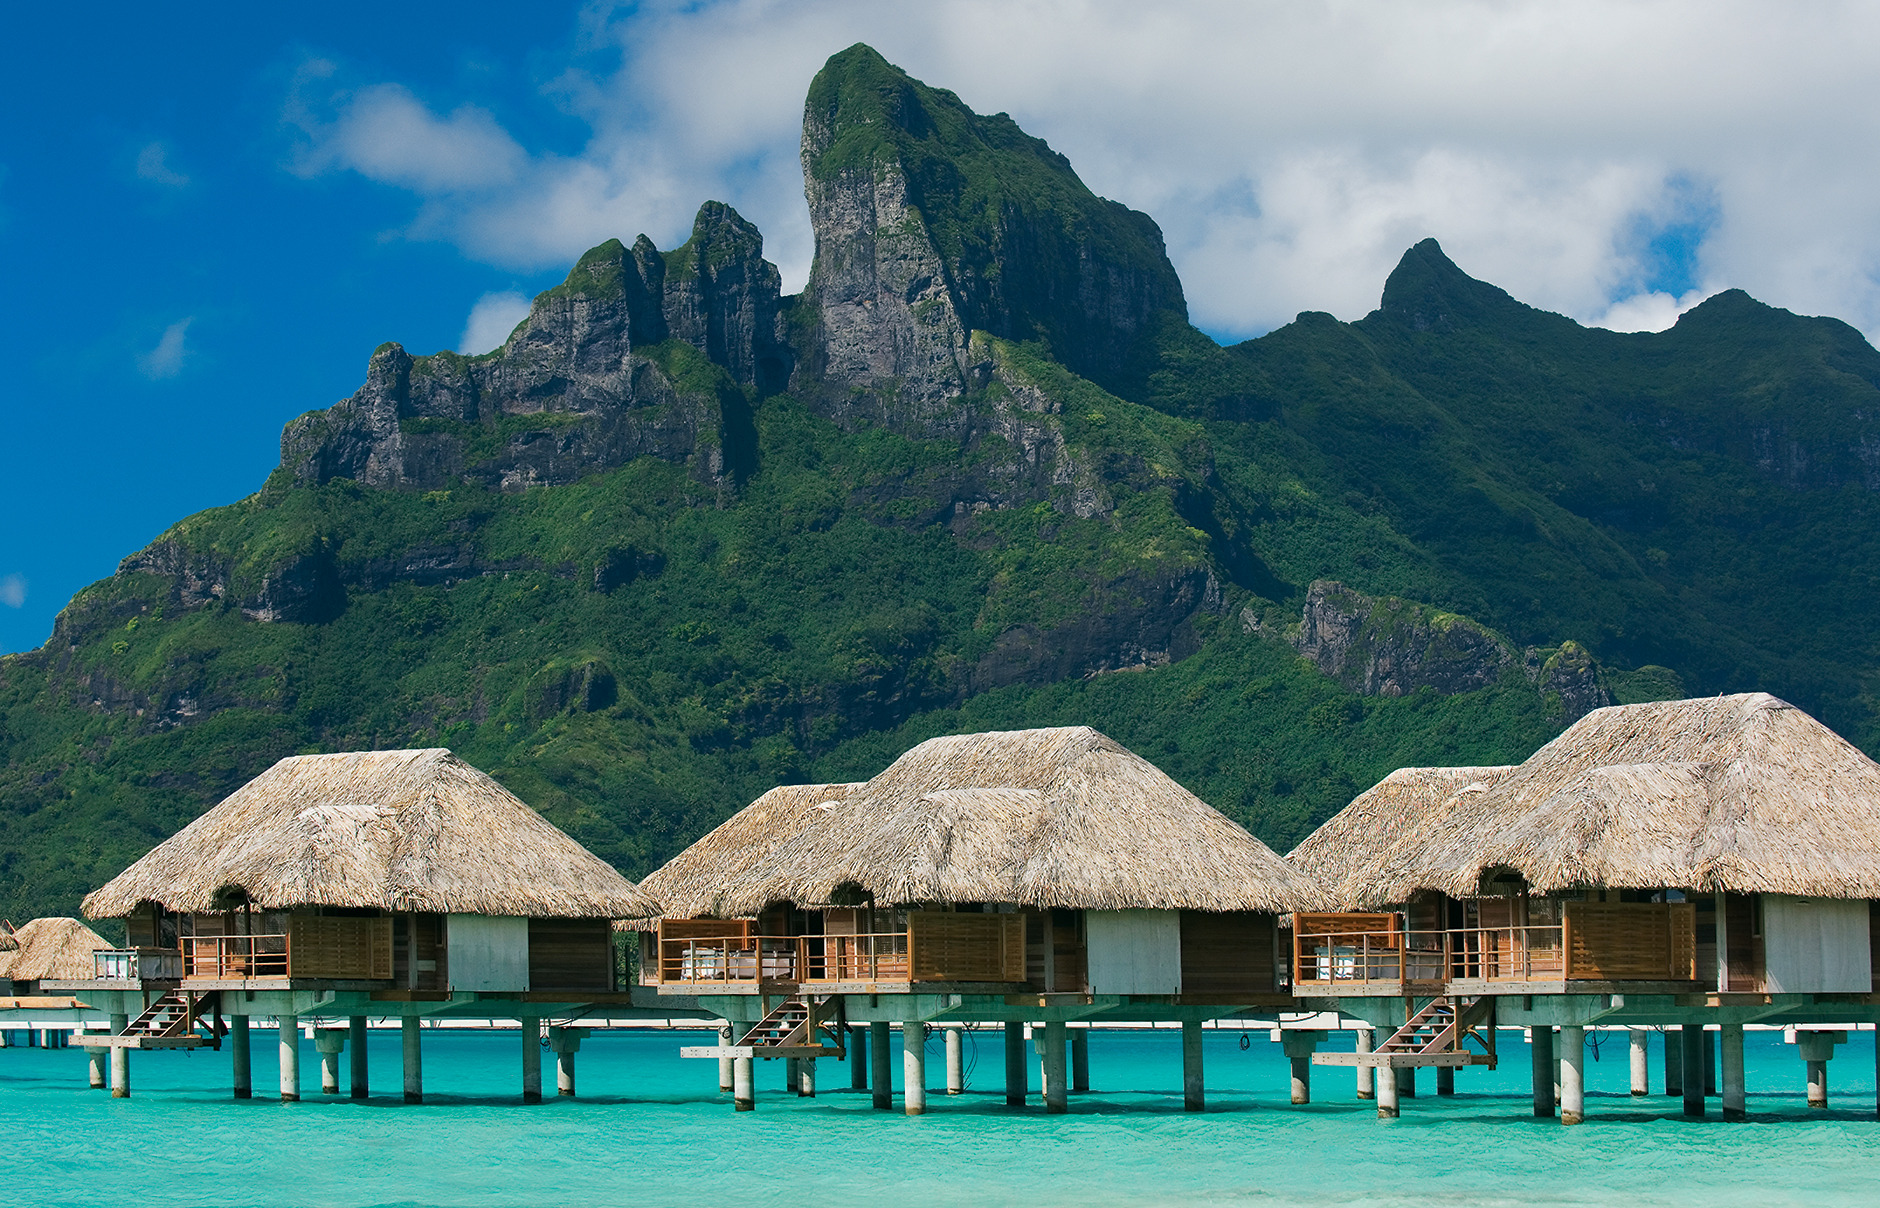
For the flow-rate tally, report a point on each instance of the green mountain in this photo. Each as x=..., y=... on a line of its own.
x=683, y=537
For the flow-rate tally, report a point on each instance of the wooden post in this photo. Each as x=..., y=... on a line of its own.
x=361, y=1082
x=1735, y=1100
x=1017, y=1072
x=239, y=1057
x=726, y=1078
x=1367, y=1074
x=956, y=1060
x=1572, y=1074
x=1641, y=1062
x=743, y=1077
x=1080, y=1060
x=1542, y=1053
x=914, y=1066
x=1691, y=1041
x=880, y=1067
x=1674, y=1062
x=414, y=1060
x=532, y=1059
x=565, y=1042
x=1445, y=1079
x=1387, y=1093
x=328, y=1043
x=290, y=1058
x=1194, y=1085
x=1056, y=1081
x=858, y=1057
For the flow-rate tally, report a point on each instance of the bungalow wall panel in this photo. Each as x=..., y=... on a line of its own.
x=1227, y=953
x=488, y=953
x=1134, y=951
x=571, y=954
x=1816, y=946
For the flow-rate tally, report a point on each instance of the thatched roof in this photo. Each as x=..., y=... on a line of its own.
x=55, y=948
x=397, y=830
x=1059, y=817
x=694, y=882
x=1746, y=793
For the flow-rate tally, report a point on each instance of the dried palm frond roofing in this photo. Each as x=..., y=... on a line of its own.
x=397, y=830
x=1059, y=817
x=52, y=948
x=1746, y=793
x=692, y=883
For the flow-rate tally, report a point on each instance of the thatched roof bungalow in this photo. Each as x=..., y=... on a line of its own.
x=46, y=949
x=1079, y=860
x=408, y=867
x=1758, y=823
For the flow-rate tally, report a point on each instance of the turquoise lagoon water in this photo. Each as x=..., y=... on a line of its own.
x=652, y=1129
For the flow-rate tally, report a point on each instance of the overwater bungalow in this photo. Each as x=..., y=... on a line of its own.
x=1711, y=861
x=40, y=951
x=369, y=884
x=1035, y=875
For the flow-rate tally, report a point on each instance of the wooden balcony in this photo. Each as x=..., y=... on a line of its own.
x=137, y=964
x=314, y=948
x=936, y=947
x=1594, y=943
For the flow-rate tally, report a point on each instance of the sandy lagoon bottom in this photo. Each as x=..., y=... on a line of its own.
x=652, y=1129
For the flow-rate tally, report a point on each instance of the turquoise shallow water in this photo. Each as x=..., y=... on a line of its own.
x=651, y=1129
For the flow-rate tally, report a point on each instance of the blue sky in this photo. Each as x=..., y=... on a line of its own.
x=209, y=216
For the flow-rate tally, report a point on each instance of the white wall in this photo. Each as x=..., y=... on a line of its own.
x=1815, y=946
x=1134, y=951
x=488, y=952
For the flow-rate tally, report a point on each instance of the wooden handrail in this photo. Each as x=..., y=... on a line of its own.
x=235, y=957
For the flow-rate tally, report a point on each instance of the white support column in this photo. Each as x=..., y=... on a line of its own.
x=532, y=1059
x=725, y=1076
x=1572, y=1074
x=881, y=1066
x=1056, y=1068
x=96, y=1061
x=329, y=1043
x=914, y=1066
x=1194, y=1084
x=1299, y=1045
x=361, y=1066
x=290, y=1058
x=743, y=1078
x=565, y=1042
x=1816, y=1048
x=1367, y=1075
x=240, y=1057
x=806, y=1077
x=414, y=1059
x=1735, y=1100
x=1641, y=1061
x=120, y=1060
x=1387, y=1093
x=956, y=1059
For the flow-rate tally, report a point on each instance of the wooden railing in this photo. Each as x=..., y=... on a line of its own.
x=137, y=964
x=235, y=957
x=937, y=946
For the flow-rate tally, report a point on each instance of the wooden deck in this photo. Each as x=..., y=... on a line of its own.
x=718, y=955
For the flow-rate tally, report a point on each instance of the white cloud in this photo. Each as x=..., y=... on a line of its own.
x=153, y=164
x=1291, y=150
x=13, y=591
x=166, y=359
x=491, y=320
x=1653, y=311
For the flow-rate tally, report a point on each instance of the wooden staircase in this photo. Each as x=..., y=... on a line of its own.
x=170, y=1022
x=1437, y=1033
x=793, y=1028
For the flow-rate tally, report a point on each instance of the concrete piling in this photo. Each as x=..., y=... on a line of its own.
x=806, y=1077
x=361, y=1081
x=240, y=1057
x=414, y=1060
x=1194, y=1086
x=120, y=1060
x=329, y=1043
x=1367, y=1074
x=858, y=1057
x=1386, y=1093
x=565, y=1042
x=96, y=1061
x=1406, y=1082
x=1017, y=1077
x=726, y=1077
x=956, y=1060
x=1445, y=1079
x=1735, y=1098
x=880, y=1067
x=1541, y=1053
x=1080, y=1060
x=1056, y=1068
x=290, y=1058
x=1637, y=1039
x=743, y=1077
x=1674, y=1062
x=914, y=1067
x=532, y=1059
x=1572, y=1074
x=1691, y=1046
x=1816, y=1048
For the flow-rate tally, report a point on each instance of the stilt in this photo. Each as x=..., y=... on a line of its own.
x=1017, y=1075
x=290, y=1058
x=329, y=1043
x=1080, y=1061
x=1735, y=1100
x=1367, y=1074
x=1710, y=1063
x=806, y=1077
x=1194, y=1087
x=361, y=1081
x=1406, y=1082
x=1541, y=1051
x=414, y=1060
x=791, y=1077
x=1816, y=1048
x=1641, y=1062
x=96, y=1061
x=743, y=1078
x=1691, y=1042
x=725, y=1076
x=1445, y=1079
x=1299, y=1044
x=240, y=1056
x=880, y=1067
x=914, y=1067
x=1674, y=1062
x=532, y=1059
x=1056, y=1069
x=565, y=1042
x=1572, y=1074
x=956, y=1060
x=1301, y=1079
x=858, y=1057
x=1386, y=1093
x=120, y=1060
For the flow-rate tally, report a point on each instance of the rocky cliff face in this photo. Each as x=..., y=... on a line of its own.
x=1386, y=646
